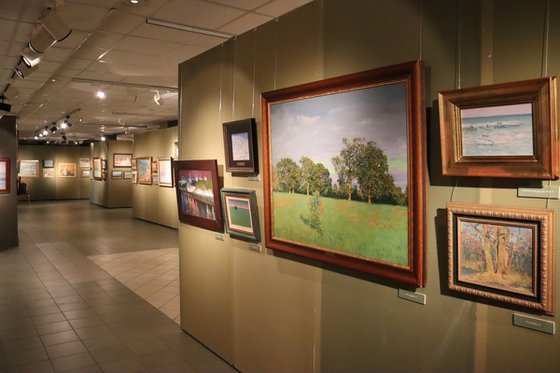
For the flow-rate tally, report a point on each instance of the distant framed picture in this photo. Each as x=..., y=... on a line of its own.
x=501, y=130
x=165, y=175
x=66, y=170
x=116, y=174
x=240, y=145
x=48, y=163
x=198, y=193
x=241, y=217
x=504, y=254
x=104, y=164
x=48, y=172
x=154, y=166
x=134, y=177
x=133, y=164
x=85, y=163
x=127, y=174
x=4, y=175
x=122, y=160
x=155, y=180
x=85, y=173
x=97, y=169
x=144, y=167
x=28, y=168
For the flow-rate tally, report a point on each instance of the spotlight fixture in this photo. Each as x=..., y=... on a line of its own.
x=45, y=131
x=55, y=25
x=53, y=129
x=100, y=95
x=102, y=138
x=30, y=57
x=23, y=70
x=11, y=93
x=157, y=98
x=41, y=40
x=36, y=137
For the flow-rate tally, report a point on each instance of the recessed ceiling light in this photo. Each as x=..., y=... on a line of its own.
x=134, y=2
x=100, y=95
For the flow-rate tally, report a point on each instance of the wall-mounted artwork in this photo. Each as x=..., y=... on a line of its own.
x=48, y=163
x=344, y=171
x=85, y=173
x=97, y=169
x=165, y=175
x=144, y=166
x=85, y=163
x=241, y=215
x=154, y=166
x=122, y=160
x=127, y=174
x=66, y=170
x=116, y=174
x=134, y=177
x=240, y=145
x=198, y=194
x=4, y=175
x=48, y=172
x=503, y=254
x=28, y=168
x=501, y=130
x=104, y=164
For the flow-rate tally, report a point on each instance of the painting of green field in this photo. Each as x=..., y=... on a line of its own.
x=239, y=213
x=374, y=231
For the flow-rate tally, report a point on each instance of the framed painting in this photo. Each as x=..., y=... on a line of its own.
x=104, y=163
x=503, y=254
x=165, y=175
x=48, y=163
x=85, y=163
x=97, y=169
x=127, y=174
x=4, y=175
x=134, y=177
x=116, y=174
x=198, y=194
x=48, y=172
x=85, y=173
x=133, y=164
x=240, y=146
x=354, y=196
x=28, y=168
x=122, y=160
x=154, y=166
x=501, y=130
x=66, y=170
x=144, y=168
x=241, y=215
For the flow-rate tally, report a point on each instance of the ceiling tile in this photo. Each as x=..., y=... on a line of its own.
x=77, y=63
x=119, y=57
x=57, y=54
x=140, y=45
x=121, y=23
x=80, y=16
x=278, y=7
x=197, y=13
x=147, y=9
x=75, y=38
x=164, y=33
x=7, y=29
x=102, y=3
x=11, y=9
x=102, y=39
x=245, y=23
x=243, y=4
x=16, y=49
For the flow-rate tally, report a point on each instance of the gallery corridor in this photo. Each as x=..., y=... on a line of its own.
x=61, y=309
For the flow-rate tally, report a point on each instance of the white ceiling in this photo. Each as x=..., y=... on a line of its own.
x=111, y=41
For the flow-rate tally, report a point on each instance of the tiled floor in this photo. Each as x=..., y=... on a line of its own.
x=60, y=312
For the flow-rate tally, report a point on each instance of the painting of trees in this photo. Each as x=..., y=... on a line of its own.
x=288, y=175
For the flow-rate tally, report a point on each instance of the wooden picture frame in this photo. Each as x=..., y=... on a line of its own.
x=48, y=163
x=198, y=193
x=85, y=173
x=379, y=114
x=85, y=163
x=104, y=163
x=501, y=130
x=134, y=177
x=503, y=254
x=5, y=175
x=127, y=174
x=240, y=146
x=48, y=172
x=28, y=168
x=116, y=174
x=144, y=169
x=165, y=174
x=241, y=214
x=97, y=169
x=154, y=166
x=122, y=160
x=66, y=169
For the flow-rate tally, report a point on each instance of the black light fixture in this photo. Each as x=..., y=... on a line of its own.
x=54, y=128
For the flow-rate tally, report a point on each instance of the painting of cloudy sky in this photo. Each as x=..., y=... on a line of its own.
x=314, y=127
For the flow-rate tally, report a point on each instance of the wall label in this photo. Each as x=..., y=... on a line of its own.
x=412, y=296
x=533, y=323
x=546, y=192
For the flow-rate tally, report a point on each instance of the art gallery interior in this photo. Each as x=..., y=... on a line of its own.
x=99, y=274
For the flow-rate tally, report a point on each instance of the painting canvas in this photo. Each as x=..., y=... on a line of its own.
x=28, y=168
x=85, y=173
x=241, y=213
x=144, y=166
x=48, y=172
x=122, y=160
x=198, y=193
x=116, y=174
x=85, y=163
x=4, y=175
x=97, y=169
x=502, y=253
x=341, y=165
x=165, y=175
x=48, y=163
x=240, y=145
x=127, y=175
x=66, y=170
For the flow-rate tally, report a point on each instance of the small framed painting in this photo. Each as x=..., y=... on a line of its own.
x=154, y=166
x=144, y=165
x=503, y=254
x=28, y=168
x=133, y=164
x=4, y=175
x=501, y=130
x=116, y=174
x=48, y=172
x=134, y=177
x=66, y=170
x=240, y=145
x=97, y=169
x=122, y=160
x=127, y=174
x=165, y=175
x=85, y=163
x=198, y=193
x=85, y=173
x=241, y=215
x=48, y=163
x=104, y=163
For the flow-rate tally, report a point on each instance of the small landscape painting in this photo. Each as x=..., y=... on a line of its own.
x=197, y=196
x=505, y=130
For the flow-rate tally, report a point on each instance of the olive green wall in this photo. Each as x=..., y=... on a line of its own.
x=152, y=202
x=56, y=188
x=267, y=313
x=109, y=192
x=8, y=201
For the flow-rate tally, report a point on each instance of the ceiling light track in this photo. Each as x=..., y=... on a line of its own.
x=124, y=84
x=181, y=27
